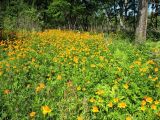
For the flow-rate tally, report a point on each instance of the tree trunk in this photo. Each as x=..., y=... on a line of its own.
x=134, y=15
x=125, y=8
x=156, y=13
x=1, y=21
x=140, y=35
x=115, y=12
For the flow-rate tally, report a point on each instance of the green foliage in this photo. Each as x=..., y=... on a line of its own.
x=78, y=75
x=9, y=23
x=87, y=15
x=59, y=10
x=20, y=16
x=29, y=19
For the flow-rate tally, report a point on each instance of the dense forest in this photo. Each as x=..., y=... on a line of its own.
x=85, y=15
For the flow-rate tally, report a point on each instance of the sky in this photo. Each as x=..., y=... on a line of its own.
x=150, y=9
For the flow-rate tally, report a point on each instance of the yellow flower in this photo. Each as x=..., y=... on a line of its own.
x=116, y=100
x=119, y=69
x=93, y=65
x=125, y=86
x=122, y=105
x=69, y=83
x=153, y=107
x=79, y=118
x=149, y=99
x=100, y=65
x=83, y=89
x=150, y=62
x=143, y=108
x=100, y=100
x=156, y=69
x=128, y=118
x=156, y=102
x=6, y=91
x=143, y=69
x=78, y=88
x=49, y=78
x=143, y=102
x=83, y=69
x=110, y=105
x=92, y=100
x=137, y=62
x=33, y=59
x=32, y=114
x=149, y=76
x=38, y=89
x=95, y=109
x=100, y=92
x=45, y=109
x=132, y=66
x=42, y=85
x=154, y=79
x=75, y=59
x=54, y=59
x=101, y=58
x=14, y=67
x=8, y=65
x=59, y=77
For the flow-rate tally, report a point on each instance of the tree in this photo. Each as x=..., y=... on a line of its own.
x=94, y=15
x=140, y=35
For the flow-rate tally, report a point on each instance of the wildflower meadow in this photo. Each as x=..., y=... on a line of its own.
x=72, y=75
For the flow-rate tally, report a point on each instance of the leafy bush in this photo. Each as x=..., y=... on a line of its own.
x=20, y=17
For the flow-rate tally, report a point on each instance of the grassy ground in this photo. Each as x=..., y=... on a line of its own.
x=65, y=75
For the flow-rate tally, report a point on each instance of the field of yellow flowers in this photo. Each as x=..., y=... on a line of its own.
x=68, y=75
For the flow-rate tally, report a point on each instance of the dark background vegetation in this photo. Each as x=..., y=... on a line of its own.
x=85, y=15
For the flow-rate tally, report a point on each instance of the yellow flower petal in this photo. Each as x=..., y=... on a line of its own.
x=122, y=105
x=79, y=118
x=126, y=86
x=143, y=108
x=128, y=118
x=149, y=99
x=110, y=105
x=59, y=77
x=45, y=109
x=95, y=109
x=143, y=102
x=32, y=114
x=153, y=107
x=156, y=69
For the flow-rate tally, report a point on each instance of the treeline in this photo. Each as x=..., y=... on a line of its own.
x=86, y=15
